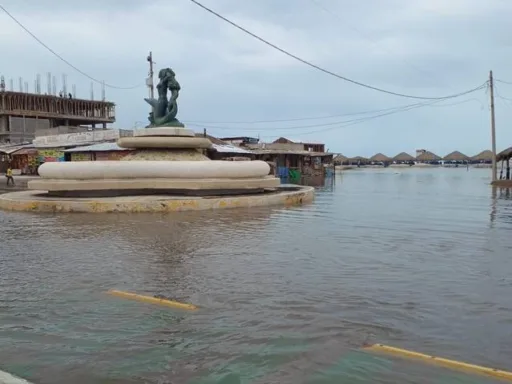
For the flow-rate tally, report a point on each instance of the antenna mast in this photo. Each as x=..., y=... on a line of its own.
x=149, y=80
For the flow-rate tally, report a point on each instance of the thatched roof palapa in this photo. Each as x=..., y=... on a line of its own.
x=340, y=158
x=504, y=155
x=403, y=156
x=428, y=156
x=380, y=157
x=357, y=159
x=456, y=156
x=483, y=156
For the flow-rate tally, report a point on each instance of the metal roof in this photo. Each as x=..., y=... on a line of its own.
x=227, y=148
x=101, y=147
x=8, y=149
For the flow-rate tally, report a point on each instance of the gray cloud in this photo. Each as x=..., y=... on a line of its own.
x=425, y=47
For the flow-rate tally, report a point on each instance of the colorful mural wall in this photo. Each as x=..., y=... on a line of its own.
x=50, y=155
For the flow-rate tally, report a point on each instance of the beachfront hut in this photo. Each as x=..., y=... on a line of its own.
x=404, y=158
x=504, y=157
x=456, y=157
x=339, y=159
x=427, y=157
x=358, y=160
x=484, y=157
x=380, y=158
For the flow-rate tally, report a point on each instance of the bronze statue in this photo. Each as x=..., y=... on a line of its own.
x=165, y=111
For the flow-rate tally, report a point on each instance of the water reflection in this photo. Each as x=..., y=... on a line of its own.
x=501, y=205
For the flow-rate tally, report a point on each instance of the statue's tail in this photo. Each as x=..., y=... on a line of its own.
x=152, y=102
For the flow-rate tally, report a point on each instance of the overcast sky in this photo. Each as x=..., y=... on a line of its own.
x=417, y=47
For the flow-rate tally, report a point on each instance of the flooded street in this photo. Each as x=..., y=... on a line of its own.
x=416, y=258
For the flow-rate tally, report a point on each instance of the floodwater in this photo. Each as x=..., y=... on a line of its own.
x=415, y=258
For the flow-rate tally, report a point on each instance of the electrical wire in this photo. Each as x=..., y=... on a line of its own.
x=308, y=63
x=318, y=4
x=498, y=94
x=338, y=123
x=59, y=56
x=503, y=81
x=365, y=119
x=195, y=122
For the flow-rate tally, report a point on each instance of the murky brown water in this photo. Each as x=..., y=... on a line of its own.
x=419, y=259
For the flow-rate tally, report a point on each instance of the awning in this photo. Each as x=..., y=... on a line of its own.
x=25, y=151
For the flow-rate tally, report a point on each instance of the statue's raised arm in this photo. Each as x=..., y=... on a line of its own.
x=165, y=111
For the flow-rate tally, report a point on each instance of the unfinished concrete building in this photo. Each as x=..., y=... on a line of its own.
x=23, y=116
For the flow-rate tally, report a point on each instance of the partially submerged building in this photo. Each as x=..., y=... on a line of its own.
x=292, y=159
x=308, y=145
x=505, y=157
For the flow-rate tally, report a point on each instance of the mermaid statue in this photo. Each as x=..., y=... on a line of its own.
x=164, y=111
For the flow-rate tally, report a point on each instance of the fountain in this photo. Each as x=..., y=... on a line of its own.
x=166, y=170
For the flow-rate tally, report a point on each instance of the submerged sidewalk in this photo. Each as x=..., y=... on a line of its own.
x=21, y=183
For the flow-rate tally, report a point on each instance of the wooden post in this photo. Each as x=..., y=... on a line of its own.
x=493, y=130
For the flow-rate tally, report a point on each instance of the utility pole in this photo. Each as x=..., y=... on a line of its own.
x=149, y=81
x=493, y=129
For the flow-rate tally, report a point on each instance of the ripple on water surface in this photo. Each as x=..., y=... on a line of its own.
x=414, y=258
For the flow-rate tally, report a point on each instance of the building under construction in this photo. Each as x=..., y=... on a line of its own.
x=23, y=115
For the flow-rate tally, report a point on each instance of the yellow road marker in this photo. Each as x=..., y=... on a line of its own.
x=152, y=300
x=440, y=361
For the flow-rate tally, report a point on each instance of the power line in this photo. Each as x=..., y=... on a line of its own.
x=193, y=122
x=365, y=119
x=498, y=94
x=337, y=123
x=59, y=56
x=366, y=36
x=297, y=118
x=503, y=81
x=308, y=63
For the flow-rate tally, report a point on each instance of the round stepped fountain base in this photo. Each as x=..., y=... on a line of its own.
x=40, y=201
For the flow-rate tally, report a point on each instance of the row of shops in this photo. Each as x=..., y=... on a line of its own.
x=287, y=160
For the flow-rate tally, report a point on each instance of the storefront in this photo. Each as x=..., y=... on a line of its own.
x=26, y=160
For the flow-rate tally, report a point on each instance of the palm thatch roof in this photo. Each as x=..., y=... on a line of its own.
x=456, y=156
x=340, y=158
x=504, y=155
x=428, y=156
x=403, y=156
x=380, y=157
x=483, y=156
x=358, y=159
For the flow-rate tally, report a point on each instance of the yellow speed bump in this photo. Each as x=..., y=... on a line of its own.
x=440, y=361
x=152, y=300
